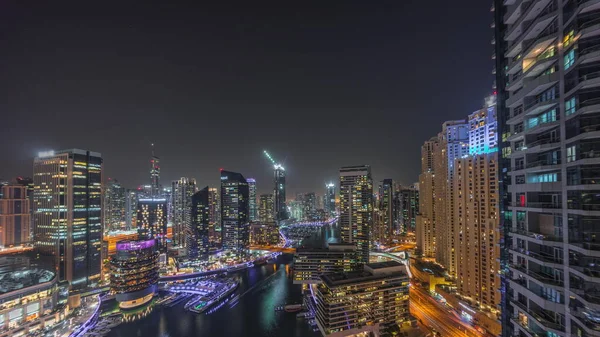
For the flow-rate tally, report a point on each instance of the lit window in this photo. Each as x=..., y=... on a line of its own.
x=569, y=59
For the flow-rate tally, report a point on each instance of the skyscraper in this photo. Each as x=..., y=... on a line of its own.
x=131, y=200
x=547, y=106
x=329, y=199
x=265, y=209
x=152, y=221
x=252, y=201
x=198, y=238
x=386, y=209
x=406, y=203
x=214, y=215
x=281, y=212
x=67, y=202
x=155, y=188
x=234, y=212
x=14, y=216
x=426, y=236
x=309, y=206
x=453, y=144
x=114, y=206
x=182, y=191
x=356, y=207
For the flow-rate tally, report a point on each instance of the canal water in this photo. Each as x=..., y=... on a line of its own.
x=261, y=290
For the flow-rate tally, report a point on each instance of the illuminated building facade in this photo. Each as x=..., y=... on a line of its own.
x=478, y=233
x=373, y=300
x=131, y=200
x=181, y=196
x=329, y=200
x=152, y=221
x=235, y=229
x=426, y=236
x=214, y=214
x=253, y=216
x=134, y=272
x=279, y=201
x=155, y=188
x=264, y=234
x=356, y=207
x=406, y=203
x=387, y=219
x=198, y=237
x=15, y=217
x=111, y=239
x=265, y=208
x=67, y=201
x=309, y=206
x=114, y=206
x=311, y=263
x=29, y=302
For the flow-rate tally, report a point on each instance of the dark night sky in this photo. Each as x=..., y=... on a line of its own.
x=322, y=85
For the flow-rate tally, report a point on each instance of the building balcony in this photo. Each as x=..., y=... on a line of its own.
x=545, y=279
x=586, y=248
x=587, y=81
x=535, y=187
x=526, y=12
x=537, y=146
x=588, y=273
x=540, y=318
x=586, y=107
x=527, y=330
x=589, y=297
x=586, y=319
x=540, y=239
x=583, y=6
x=536, y=206
x=540, y=259
x=513, y=13
x=538, y=298
x=541, y=126
x=531, y=88
x=589, y=29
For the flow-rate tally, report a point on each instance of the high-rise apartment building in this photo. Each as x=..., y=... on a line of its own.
x=253, y=210
x=265, y=208
x=476, y=217
x=356, y=207
x=388, y=218
x=547, y=78
x=406, y=208
x=181, y=201
x=155, y=188
x=426, y=235
x=234, y=212
x=279, y=201
x=311, y=263
x=15, y=216
x=483, y=128
x=152, y=221
x=198, y=240
x=363, y=303
x=114, y=206
x=329, y=199
x=309, y=206
x=131, y=200
x=67, y=203
x=214, y=217
x=453, y=144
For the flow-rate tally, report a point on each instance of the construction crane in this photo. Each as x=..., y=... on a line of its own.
x=275, y=164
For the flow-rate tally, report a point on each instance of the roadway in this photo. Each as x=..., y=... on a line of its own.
x=433, y=314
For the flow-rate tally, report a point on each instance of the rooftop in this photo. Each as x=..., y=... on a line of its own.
x=19, y=279
x=372, y=272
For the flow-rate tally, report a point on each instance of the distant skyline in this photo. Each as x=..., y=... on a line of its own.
x=320, y=86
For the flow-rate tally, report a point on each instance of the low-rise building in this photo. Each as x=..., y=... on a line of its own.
x=311, y=263
x=264, y=234
x=29, y=301
x=374, y=300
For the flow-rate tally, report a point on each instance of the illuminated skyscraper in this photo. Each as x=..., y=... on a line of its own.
x=329, y=200
x=214, y=215
x=235, y=229
x=152, y=220
x=426, y=236
x=386, y=209
x=309, y=206
x=67, y=202
x=281, y=212
x=131, y=200
x=198, y=238
x=356, y=207
x=114, y=206
x=407, y=207
x=155, y=188
x=265, y=208
x=252, y=201
x=14, y=216
x=182, y=191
